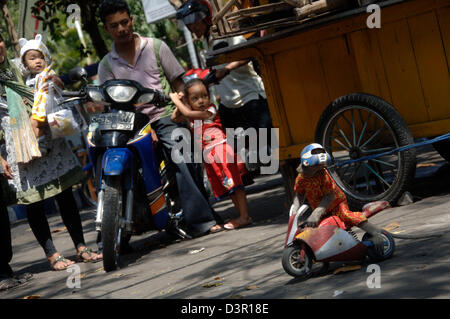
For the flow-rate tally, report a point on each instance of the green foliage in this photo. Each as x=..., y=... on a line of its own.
x=13, y=7
x=166, y=30
x=65, y=46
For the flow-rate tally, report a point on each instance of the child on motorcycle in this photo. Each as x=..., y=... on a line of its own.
x=324, y=196
x=219, y=158
x=37, y=61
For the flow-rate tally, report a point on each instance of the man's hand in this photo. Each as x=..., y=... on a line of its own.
x=7, y=171
x=155, y=139
x=221, y=73
x=92, y=107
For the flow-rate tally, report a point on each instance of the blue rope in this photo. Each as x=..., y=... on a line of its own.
x=400, y=149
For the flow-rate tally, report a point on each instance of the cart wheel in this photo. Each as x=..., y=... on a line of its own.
x=358, y=125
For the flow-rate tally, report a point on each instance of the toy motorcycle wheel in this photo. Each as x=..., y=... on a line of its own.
x=297, y=261
x=388, y=249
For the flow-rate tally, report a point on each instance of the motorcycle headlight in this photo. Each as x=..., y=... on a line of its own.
x=146, y=98
x=96, y=95
x=120, y=93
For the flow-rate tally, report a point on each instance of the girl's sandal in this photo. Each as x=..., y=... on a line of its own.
x=9, y=283
x=88, y=251
x=58, y=259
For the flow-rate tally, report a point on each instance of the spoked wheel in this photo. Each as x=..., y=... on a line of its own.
x=388, y=247
x=112, y=214
x=297, y=261
x=359, y=125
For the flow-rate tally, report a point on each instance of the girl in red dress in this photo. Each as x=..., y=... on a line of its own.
x=219, y=158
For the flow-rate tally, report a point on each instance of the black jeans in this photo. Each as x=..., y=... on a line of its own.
x=5, y=242
x=69, y=214
x=198, y=214
x=254, y=113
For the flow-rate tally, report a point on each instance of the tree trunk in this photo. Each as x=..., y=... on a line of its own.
x=90, y=25
x=11, y=29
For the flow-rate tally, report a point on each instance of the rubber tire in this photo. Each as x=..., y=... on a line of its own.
x=304, y=272
x=406, y=171
x=443, y=148
x=373, y=255
x=110, y=222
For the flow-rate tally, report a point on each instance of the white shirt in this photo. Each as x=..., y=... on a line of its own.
x=242, y=84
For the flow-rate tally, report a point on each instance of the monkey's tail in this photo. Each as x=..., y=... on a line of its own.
x=418, y=236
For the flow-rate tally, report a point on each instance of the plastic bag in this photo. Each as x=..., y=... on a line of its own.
x=25, y=144
x=63, y=115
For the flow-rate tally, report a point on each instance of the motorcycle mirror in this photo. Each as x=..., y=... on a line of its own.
x=78, y=74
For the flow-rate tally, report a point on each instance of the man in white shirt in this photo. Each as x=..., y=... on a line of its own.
x=242, y=97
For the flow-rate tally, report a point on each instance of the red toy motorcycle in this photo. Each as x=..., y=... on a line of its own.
x=308, y=251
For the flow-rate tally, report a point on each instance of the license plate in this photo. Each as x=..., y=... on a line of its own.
x=114, y=121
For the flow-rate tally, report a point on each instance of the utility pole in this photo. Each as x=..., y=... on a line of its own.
x=11, y=28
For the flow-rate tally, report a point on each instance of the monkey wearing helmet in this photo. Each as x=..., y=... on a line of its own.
x=324, y=196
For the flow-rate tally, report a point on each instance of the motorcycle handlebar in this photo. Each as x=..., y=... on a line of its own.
x=72, y=94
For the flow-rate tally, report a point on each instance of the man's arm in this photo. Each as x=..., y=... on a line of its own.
x=221, y=73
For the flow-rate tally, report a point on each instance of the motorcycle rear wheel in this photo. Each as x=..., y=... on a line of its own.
x=111, y=231
x=388, y=249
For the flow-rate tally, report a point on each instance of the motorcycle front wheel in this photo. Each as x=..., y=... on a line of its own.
x=297, y=261
x=112, y=213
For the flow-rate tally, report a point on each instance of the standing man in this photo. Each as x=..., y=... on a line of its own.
x=242, y=97
x=150, y=62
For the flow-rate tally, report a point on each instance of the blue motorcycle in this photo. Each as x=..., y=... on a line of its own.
x=135, y=190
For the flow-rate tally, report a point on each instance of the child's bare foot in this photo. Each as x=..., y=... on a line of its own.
x=238, y=223
x=216, y=228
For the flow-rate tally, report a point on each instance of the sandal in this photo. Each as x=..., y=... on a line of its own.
x=58, y=259
x=233, y=224
x=9, y=283
x=88, y=251
x=22, y=278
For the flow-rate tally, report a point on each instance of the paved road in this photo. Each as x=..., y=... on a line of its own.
x=246, y=263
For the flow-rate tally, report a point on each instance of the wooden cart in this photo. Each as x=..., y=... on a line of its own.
x=358, y=91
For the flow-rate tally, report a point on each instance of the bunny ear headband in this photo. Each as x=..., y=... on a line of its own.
x=35, y=44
